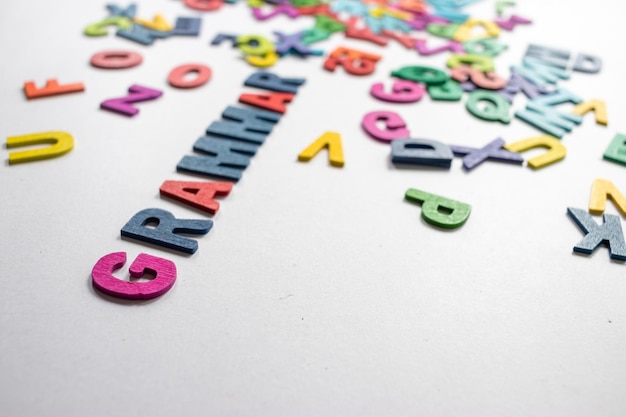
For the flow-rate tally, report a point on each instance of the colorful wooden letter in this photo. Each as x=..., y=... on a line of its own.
x=403, y=91
x=395, y=126
x=123, y=105
x=556, y=150
x=440, y=211
x=199, y=194
x=105, y=282
x=187, y=26
x=421, y=152
x=610, y=232
x=52, y=88
x=598, y=106
x=269, y=81
x=62, y=143
x=473, y=157
x=204, y=5
x=165, y=233
x=464, y=32
x=355, y=62
x=176, y=78
x=330, y=141
x=158, y=23
x=600, y=192
x=99, y=29
x=616, y=152
x=421, y=74
x=496, y=108
x=245, y=124
x=423, y=49
x=272, y=102
x=116, y=59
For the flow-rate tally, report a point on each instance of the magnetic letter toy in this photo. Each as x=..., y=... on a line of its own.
x=255, y=45
x=487, y=80
x=540, y=73
x=404, y=40
x=395, y=126
x=512, y=21
x=293, y=44
x=421, y=152
x=597, y=106
x=547, y=119
x=422, y=21
x=556, y=150
x=272, y=102
x=286, y=9
x=440, y=211
x=415, y=6
x=315, y=9
x=204, y=5
x=557, y=58
x=600, y=192
x=423, y=49
x=245, y=124
x=517, y=83
x=557, y=97
x=448, y=91
x=500, y=4
x=473, y=157
x=264, y=61
x=610, y=232
x=123, y=105
x=116, y=59
x=166, y=231
x=587, y=63
x=220, y=37
x=61, y=143
x=496, y=108
x=352, y=8
x=355, y=62
x=443, y=30
x=616, y=152
x=314, y=35
x=225, y=158
x=158, y=23
x=330, y=141
x=129, y=12
x=328, y=24
x=176, y=78
x=105, y=282
x=209, y=166
x=486, y=47
x=99, y=29
x=269, y=81
x=199, y=194
x=142, y=35
x=464, y=32
x=478, y=62
x=402, y=92
x=52, y=88
x=364, y=33
x=451, y=14
x=187, y=26
x=421, y=74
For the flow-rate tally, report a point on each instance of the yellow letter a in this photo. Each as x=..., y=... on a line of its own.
x=330, y=140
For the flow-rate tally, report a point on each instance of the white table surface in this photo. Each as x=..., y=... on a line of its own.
x=319, y=291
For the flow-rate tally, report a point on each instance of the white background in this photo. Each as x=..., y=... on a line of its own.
x=319, y=291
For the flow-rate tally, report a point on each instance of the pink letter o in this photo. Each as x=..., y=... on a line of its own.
x=116, y=59
x=177, y=76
